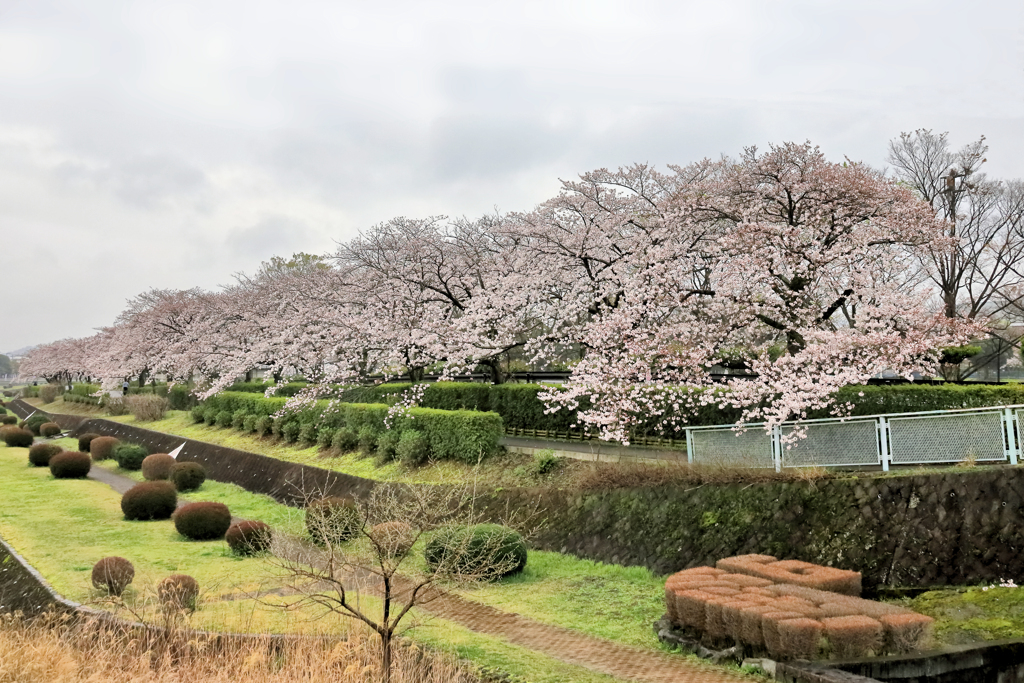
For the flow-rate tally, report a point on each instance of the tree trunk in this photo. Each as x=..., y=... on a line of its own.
x=142, y=378
x=494, y=368
x=277, y=376
x=416, y=373
x=248, y=375
x=385, y=661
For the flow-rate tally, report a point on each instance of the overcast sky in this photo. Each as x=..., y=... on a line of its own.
x=170, y=144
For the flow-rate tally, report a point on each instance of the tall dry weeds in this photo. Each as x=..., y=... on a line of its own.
x=628, y=475
x=59, y=650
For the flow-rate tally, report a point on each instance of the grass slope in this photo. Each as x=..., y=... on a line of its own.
x=91, y=526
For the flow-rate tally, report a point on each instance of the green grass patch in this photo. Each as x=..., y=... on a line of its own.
x=973, y=615
x=602, y=600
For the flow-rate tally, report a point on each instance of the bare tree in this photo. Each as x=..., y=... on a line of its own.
x=985, y=218
x=368, y=548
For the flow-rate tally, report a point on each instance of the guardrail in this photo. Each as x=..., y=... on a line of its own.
x=991, y=434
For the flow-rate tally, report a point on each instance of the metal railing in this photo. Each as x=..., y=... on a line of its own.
x=991, y=434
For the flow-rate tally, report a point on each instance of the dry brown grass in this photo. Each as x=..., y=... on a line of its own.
x=50, y=650
x=626, y=475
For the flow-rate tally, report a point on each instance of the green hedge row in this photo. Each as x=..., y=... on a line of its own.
x=451, y=434
x=287, y=390
x=520, y=407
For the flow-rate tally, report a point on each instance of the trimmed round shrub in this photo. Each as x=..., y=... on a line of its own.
x=70, y=465
x=187, y=476
x=290, y=432
x=8, y=420
x=36, y=421
x=325, y=436
x=210, y=415
x=393, y=539
x=248, y=538
x=198, y=414
x=102, y=447
x=50, y=392
x=18, y=437
x=484, y=551
x=179, y=591
x=308, y=434
x=238, y=419
x=367, y=440
x=249, y=423
x=149, y=500
x=112, y=574
x=333, y=520
x=39, y=455
x=223, y=418
x=129, y=456
x=264, y=425
x=7, y=429
x=85, y=439
x=387, y=445
x=345, y=440
x=48, y=429
x=157, y=467
x=202, y=521
x=413, y=447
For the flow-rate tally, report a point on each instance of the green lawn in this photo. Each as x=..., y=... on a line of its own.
x=63, y=526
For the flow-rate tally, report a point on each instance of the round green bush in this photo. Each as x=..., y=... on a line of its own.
x=387, y=445
x=157, y=467
x=223, y=418
x=8, y=420
x=70, y=465
x=102, y=447
x=333, y=520
x=413, y=448
x=85, y=439
x=18, y=437
x=149, y=500
x=368, y=440
x=36, y=421
x=210, y=415
x=187, y=476
x=129, y=456
x=238, y=419
x=39, y=455
x=325, y=436
x=249, y=423
x=264, y=425
x=248, y=538
x=48, y=429
x=202, y=521
x=290, y=431
x=345, y=440
x=485, y=551
x=198, y=414
x=308, y=433
x=179, y=591
x=112, y=574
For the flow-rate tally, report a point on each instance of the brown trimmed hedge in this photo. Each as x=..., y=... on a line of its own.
x=179, y=591
x=17, y=437
x=112, y=574
x=203, y=521
x=39, y=454
x=85, y=439
x=48, y=429
x=149, y=500
x=102, y=447
x=70, y=465
x=249, y=537
x=157, y=466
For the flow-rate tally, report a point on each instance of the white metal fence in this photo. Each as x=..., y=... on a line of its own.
x=942, y=436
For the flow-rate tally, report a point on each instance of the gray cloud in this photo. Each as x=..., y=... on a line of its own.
x=173, y=144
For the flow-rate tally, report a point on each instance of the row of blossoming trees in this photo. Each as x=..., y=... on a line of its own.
x=803, y=270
